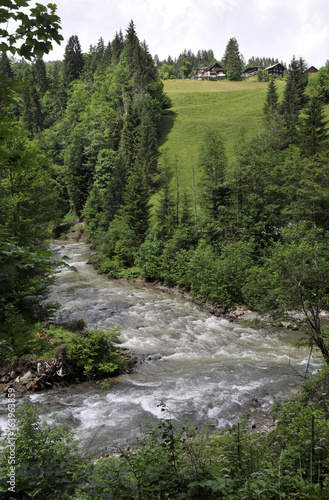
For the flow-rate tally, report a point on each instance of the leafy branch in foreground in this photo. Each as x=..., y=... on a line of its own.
x=34, y=30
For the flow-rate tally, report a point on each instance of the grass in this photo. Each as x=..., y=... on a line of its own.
x=229, y=107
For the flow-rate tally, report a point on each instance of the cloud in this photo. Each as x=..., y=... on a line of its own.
x=270, y=28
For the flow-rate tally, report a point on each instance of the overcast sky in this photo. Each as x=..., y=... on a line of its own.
x=266, y=28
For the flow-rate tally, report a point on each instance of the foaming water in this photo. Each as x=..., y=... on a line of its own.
x=197, y=364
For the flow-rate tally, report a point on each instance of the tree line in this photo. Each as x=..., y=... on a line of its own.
x=232, y=61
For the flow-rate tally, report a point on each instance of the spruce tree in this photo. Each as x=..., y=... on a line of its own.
x=128, y=140
x=274, y=128
x=233, y=61
x=5, y=66
x=40, y=76
x=57, y=93
x=272, y=99
x=144, y=69
x=73, y=60
x=108, y=55
x=290, y=110
x=313, y=135
x=131, y=45
x=110, y=179
x=166, y=209
x=147, y=148
x=116, y=47
x=213, y=165
x=294, y=98
x=32, y=113
x=136, y=208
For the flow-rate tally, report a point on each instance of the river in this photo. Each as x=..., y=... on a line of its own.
x=201, y=366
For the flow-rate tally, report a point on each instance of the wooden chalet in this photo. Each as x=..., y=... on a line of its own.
x=275, y=70
x=211, y=71
x=312, y=70
x=250, y=71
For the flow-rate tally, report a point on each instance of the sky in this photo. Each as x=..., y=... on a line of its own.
x=265, y=28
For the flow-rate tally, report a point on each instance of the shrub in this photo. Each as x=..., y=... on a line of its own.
x=93, y=352
x=45, y=459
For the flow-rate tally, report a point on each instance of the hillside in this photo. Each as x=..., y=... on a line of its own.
x=197, y=106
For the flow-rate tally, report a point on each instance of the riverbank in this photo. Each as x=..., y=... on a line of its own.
x=32, y=374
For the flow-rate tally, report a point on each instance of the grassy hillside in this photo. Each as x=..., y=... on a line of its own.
x=229, y=107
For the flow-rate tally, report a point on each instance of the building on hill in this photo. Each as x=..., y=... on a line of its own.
x=275, y=70
x=250, y=71
x=210, y=72
x=311, y=70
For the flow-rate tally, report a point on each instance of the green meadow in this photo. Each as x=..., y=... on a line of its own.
x=231, y=108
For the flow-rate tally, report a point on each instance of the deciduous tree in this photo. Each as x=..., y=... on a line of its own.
x=295, y=279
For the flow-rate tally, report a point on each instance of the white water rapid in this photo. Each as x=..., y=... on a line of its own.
x=202, y=367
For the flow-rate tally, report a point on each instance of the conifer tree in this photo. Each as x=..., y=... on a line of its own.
x=5, y=66
x=128, y=140
x=144, y=69
x=110, y=179
x=314, y=132
x=213, y=164
x=131, y=45
x=40, y=76
x=117, y=47
x=32, y=113
x=294, y=98
x=56, y=96
x=166, y=209
x=147, y=148
x=108, y=54
x=136, y=208
x=73, y=60
x=272, y=99
x=274, y=127
x=233, y=61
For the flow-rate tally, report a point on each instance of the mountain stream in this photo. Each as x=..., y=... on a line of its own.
x=201, y=366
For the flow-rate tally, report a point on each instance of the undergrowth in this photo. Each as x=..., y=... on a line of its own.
x=181, y=462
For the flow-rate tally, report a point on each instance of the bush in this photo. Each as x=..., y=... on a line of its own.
x=93, y=352
x=45, y=460
x=220, y=278
x=169, y=463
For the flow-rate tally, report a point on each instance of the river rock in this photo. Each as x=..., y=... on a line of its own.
x=27, y=377
x=210, y=422
x=66, y=401
x=287, y=325
x=154, y=357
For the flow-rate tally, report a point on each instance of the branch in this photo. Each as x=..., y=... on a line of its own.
x=297, y=372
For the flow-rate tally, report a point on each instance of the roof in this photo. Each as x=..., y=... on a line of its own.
x=312, y=68
x=252, y=68
x=210, y=67
x=275, y=65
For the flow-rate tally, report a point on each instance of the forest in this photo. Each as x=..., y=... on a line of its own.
x=79, y=138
